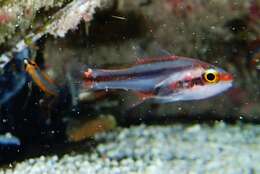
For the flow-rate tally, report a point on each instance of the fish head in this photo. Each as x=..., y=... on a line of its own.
x=214, y=81
x=195, y=83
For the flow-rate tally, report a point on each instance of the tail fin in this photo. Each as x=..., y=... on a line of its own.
x=80, y=74
x=80, y=80
x=74, y=75
x=88, y=78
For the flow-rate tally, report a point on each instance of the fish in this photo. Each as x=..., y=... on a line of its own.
x=9, y=140
x=12, y=75
x=10, y=85
x=88, y=128
x=40, y=78
x=164, y=79
x=12, y=80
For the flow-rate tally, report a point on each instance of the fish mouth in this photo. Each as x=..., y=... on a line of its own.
x=227, y=80
x=226, y=77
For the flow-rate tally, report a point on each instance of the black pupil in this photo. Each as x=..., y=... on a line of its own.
x=210, y=77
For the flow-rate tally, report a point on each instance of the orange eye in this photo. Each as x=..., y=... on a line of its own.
x=211, y=76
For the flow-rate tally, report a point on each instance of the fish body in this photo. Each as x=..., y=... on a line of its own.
x=12, y=80
x=40, y=78
x=12, y=75
x=8, y=140
x=10, y=85
x=163, y=80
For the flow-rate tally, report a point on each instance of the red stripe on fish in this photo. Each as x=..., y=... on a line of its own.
x=89, y=77
x=102, y=75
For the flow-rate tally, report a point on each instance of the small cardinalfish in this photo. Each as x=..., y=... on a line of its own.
x=163, y=80
x=40, y=78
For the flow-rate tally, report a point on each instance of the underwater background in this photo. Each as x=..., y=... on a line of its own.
x=45, y=44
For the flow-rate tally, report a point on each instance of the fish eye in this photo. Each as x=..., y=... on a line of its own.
x=211, y=76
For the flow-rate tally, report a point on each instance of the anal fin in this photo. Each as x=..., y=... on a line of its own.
x=144, y=95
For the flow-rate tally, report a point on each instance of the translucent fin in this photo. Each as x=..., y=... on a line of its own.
x=156, y=59
x=144, y=95
x=11, y=85
x=135, y=103
x=140, y=49
x=73, y=88
x=159, y=51
x=77, y=82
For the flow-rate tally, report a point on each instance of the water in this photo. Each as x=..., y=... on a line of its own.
x=111, y=136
